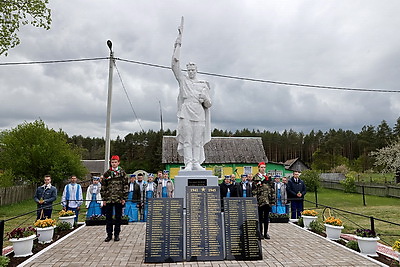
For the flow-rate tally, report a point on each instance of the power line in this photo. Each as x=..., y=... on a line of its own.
x=52, y=61
x=127, y=96
x=208, y=74
x=269, y=81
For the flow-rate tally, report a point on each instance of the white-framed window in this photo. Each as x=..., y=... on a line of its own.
x=248, y=169
x=275, y=172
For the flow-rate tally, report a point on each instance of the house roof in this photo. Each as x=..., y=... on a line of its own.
x=290, y=162
x=220, y=150
x=94, y=165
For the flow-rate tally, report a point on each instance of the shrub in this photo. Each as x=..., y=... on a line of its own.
x=353, y=244
x=4, y=261
x=349, y=183
x=312, y=180
x=317, y=227
x=300, y=222
x=62, y=226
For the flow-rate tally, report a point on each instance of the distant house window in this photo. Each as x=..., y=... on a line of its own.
x=217, y=171
x=248, y=169
x=275, y=172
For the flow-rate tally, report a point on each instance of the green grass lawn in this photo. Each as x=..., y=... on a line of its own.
x=379, y=207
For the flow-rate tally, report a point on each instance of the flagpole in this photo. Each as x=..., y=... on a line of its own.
x=108, y=122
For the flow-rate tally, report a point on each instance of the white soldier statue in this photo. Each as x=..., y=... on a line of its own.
x=193, y=111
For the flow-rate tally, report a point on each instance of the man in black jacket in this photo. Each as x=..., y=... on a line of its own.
x=296, y=189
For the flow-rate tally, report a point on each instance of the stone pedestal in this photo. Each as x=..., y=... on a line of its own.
x=192, y=178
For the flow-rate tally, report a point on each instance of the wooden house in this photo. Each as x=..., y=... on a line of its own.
x=296, y=165
x=224, y=155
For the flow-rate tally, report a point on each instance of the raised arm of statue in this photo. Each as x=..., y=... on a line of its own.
x=176, y=55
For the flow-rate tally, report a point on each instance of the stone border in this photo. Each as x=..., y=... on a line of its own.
x=51, y=246
x=349, y=249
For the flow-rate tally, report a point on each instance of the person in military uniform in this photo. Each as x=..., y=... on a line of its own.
x=263, y=191
x=114, y=192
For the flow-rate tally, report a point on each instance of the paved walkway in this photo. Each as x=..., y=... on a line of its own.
x=289, y=245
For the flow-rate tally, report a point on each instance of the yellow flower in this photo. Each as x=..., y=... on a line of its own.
x=396, y=246
x=66, y=213
x=45, y=223
x=333, y=221
x=309, y=213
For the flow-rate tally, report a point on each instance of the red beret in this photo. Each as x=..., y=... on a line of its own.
x=115, y=157
x=261, y=163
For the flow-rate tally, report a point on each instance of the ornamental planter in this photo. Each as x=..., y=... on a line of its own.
x=333, y=232
x=307, y=220
x=68, y=219
x=23, y=246
x=368, y=245
x=45, y=235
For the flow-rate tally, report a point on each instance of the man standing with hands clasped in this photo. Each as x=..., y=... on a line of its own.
x=296, y=189
x=114, y=190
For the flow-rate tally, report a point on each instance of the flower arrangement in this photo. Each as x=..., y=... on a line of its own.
x=396, y=246
x=362, y=232
x=97, y=217
x=309, y=213
x=21, y=232
x=277, y=215
x=66, y=213
x=45, y=223
x=334, y=221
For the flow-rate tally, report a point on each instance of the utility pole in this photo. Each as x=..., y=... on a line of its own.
x=162, y=128
x=108, y=122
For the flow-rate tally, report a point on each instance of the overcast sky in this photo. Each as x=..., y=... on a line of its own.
x=353, y=44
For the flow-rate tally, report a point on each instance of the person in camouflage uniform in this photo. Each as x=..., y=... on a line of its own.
x=263, y=190
x=114, y=190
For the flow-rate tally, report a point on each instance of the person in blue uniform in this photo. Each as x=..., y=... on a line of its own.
x=280, y=196
x=296, y=190
x=149, y=191
x=244, y=188
x=93, y=198
x=72, y=197
x=45, y=195
x=133, y=200
x=165, y=186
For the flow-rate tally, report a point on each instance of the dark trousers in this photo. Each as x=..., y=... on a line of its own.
x=297, y=208
x=109, y=218
x=43, y=215
x=263, y=218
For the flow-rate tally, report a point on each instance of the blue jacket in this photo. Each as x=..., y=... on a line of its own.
x=48, y=195
x=293, y=188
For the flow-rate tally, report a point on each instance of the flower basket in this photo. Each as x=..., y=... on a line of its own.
x=307, y=220
x=367, y=242
x=22, y=240
x=333, y=232
x=278, y=218
x=45, y=235
x=368, y=245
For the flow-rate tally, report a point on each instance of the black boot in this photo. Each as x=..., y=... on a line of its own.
x=116, y=238
x=266, y=235
x=260, y=232
x=108, y=238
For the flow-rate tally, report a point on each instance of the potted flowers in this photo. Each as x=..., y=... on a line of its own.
x=396, y=247
x=45, y=230
x=367, y=241
x=333, y=228
x=22, y=240
x=95, y=220
x=67, y=216
x=308, y=216
x=278, y=218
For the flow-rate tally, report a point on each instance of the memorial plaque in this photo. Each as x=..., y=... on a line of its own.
x=164, y=230
x=204, y=240
x=241, y=229
x=197, y=182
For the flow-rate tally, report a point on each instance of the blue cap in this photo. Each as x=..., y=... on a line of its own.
x=227, y=177
x=166, y=171
x=132, y=175
x=150, y=175
x=96, y=178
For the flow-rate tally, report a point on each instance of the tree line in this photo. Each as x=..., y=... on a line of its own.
x=320, y=150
